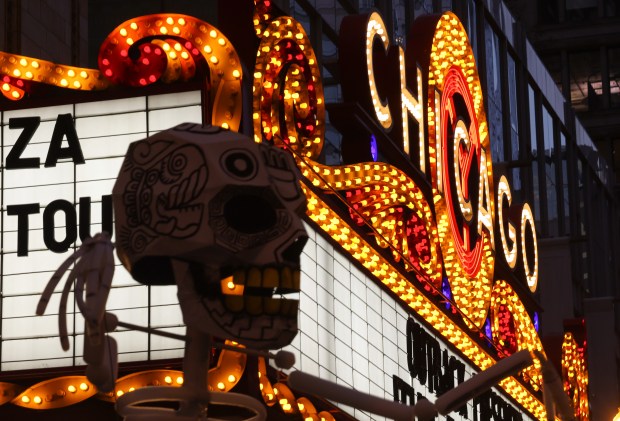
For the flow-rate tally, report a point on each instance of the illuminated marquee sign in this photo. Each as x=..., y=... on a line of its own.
x=450, y=230
x=432, y=233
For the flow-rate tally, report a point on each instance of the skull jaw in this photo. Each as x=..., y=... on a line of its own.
x=261, y=331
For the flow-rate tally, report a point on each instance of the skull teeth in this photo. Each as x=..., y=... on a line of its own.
x=282, y=280
x=255, y=306
x=250, y=291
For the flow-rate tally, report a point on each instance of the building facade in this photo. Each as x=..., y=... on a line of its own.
x=357, y=327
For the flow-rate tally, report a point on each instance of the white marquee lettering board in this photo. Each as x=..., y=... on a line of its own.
x=104, y=130
x=351, y=331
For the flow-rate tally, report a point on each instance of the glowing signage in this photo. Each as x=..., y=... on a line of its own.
x=411, y=227
x=460, y=239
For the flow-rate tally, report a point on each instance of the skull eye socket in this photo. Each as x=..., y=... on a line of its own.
x=240, y=165
x=249, y=214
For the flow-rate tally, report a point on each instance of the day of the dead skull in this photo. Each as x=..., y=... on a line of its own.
x=230, y=210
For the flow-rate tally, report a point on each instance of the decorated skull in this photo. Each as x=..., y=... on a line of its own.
x=227, y=209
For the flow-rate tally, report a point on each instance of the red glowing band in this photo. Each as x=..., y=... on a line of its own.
x=455, y=84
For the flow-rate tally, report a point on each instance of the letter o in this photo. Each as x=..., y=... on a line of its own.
x=49, y=225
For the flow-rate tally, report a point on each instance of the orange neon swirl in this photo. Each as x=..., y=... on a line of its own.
x=65, y=391
x=170, y=47
x=575, y=376
x=524, y=331
x=281, y=394
x=262, y=15
x=18, y=72
x=287, y=82
x=142, y=51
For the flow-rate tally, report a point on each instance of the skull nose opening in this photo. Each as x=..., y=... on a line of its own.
x=249, y=214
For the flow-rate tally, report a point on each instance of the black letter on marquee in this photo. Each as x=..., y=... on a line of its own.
x=417, y=339
x=403, y=391
x=48, y=225
x=22, y=212
x=13, y=159
x=64, y=127
x=106, y=216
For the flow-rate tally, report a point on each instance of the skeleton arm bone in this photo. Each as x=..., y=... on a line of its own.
x=424, y=409
x=94, y=269
x=94, y=265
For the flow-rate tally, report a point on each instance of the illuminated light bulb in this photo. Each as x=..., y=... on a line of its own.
x=213, y=33
x=25, y=399
x=133, y=26
x=64, y=82
x=221, y=386
x=168, y=379
x=17, y=73
x=169, y=20
x=208, y=49
x=37, y=400
x=163, y=30
x=236, y=74
x=129, y=41
x=131, y=389
x=181, y=21
x=179, y=380
x=77, y=84
x=123, y=32
x=120, y=393
x=221, y=41
x=71, y=388
x=84, y=387
x=225, y=126
x=29, y=75
x=176, y=30
x=232, y=378
x=172, y=55
x=184, y=55
x=214, y=60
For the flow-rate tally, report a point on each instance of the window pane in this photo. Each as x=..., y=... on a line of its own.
x=565, y=199
x=585, y=76
x=614, y=76
x=550, y=178
x=533, y=144
x=514, y=130
x=494, y=93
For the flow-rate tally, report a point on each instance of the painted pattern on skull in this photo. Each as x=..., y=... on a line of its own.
x=161, y=195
